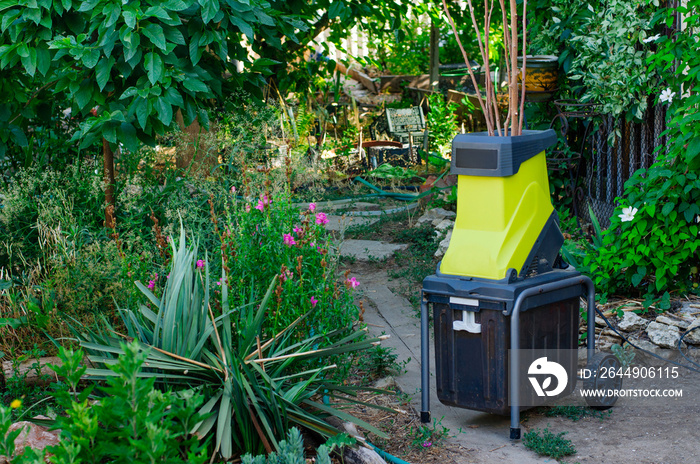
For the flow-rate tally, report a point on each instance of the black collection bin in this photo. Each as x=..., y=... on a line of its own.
x=471, y=369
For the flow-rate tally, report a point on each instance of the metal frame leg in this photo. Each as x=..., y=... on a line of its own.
x=425, y=360
x=515, y=339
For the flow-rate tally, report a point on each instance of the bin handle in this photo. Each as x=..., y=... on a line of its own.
x=468, y=323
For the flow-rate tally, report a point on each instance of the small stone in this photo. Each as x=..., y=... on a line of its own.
x=693, y=337
x=385, y=383
x=649, y=346
x=604, y=342
x=599, y=321
x=435, y=213
x=444, y=244
x=665, y=336
x=631, y=321
x=681, y=324
x=444, y=225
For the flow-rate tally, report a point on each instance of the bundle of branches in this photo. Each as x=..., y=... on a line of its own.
x=489, y=101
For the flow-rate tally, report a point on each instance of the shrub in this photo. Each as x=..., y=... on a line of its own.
x=268, y=237
x=291, y=451
x=651, y=245
x=131, y=422
x=548, y=444
x=258, y=383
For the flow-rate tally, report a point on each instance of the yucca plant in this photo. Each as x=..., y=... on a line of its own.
x=258, y=385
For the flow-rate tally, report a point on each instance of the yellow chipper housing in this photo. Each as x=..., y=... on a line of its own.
x=502, y=292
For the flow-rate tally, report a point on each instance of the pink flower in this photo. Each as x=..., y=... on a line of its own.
x=260, y=205
x=287, y=274
x=352, y=282
x=289, y=240
x=427, y=444
x=151, y=284
x=200, y=264
x=313, y=302
x=265, y=200
x=233, y=190
x=312, y=207
x=298, y=230
x=321, y=219
x=247, y=208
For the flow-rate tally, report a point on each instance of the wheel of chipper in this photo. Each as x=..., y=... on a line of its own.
x=603, y=367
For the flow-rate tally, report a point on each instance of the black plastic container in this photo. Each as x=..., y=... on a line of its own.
x=471, y=368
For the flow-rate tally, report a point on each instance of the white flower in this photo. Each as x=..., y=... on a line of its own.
x=628, y=214
x=653, y=38
x=667, y=96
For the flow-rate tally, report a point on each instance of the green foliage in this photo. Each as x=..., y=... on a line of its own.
x=575, y=413
x=679, y=63
x=258, y=383
x=548, y=444
x=268, y=238
x=26, y=399
x=602, y=46
x=427, y=436
x=387, y=171
x=291, y=451
x=652, y=252
x=624, y=355
x=131, y=422
x=441, y=122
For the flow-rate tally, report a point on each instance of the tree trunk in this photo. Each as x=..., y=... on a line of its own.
x=108, y=155
x=434, y=55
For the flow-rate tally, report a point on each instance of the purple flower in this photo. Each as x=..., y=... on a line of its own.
x=352, y=282
x=313, y=302
x=200, y=264
x=427, y=444
x=151, y=284
x=312, y=207
x=289, y=240
x=321, y=219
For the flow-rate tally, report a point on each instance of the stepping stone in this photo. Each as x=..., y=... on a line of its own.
x=363, y=250
x=338, y=223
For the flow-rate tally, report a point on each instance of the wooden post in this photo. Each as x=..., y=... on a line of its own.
x=108, y=156
x=434, y=55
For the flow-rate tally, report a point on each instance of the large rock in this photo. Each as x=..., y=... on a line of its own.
x=631, y=322
x=680, y=323
x=32, y=436
x=435, y=216
x=444, y=244
x=445, y=224
x=665, y=336
x=693, y=337
x=361, y=455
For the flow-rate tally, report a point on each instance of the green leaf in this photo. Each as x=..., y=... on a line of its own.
x=158, y=12
x=243, y=26
x=90, y=58
x=336, y=9
x=29, y=62
x=155, y=34
x=173, y=97
x=111, y=11
x=83, y=96
x=693, y=150
x=173, y=35
x=174, y=5
x=141, y=109
x=43, y=60
x=165, y=111
x=154, y=67
x=8, y=19
x=668, y=207
x=104, y=71
x=195, y=51
x=194, y=85
x=129, y=18
x=209, y=9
